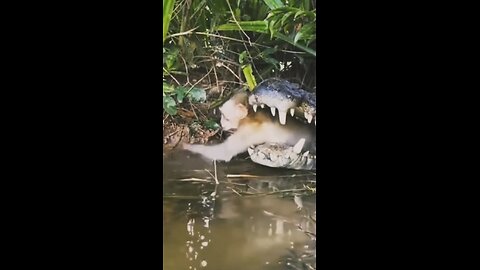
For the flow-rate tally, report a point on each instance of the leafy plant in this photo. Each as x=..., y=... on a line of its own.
x=240, y=42
x=172, y=96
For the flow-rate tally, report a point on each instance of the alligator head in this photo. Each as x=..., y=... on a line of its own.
x=284, y=97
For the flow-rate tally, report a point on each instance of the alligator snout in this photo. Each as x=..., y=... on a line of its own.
x=284, y=96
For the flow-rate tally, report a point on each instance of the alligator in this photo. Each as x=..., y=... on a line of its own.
x=284, y=97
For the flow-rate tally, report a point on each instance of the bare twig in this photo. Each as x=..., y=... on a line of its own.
x=215, y=167
x=235, y=19
x=241, y=176
x=169, y=74
x=253, y=43
x=182, y=33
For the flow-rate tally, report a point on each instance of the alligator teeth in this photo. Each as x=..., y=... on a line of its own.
x=250, y=151
x=292, y=111
x=262, y=106
x=255, y=107
x=310, y=161
x=272, y=109
x=309, y=117
x=298, y=147
x=306, y=154
x=283, y=117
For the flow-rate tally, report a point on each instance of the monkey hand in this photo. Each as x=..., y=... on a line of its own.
x=216, y=152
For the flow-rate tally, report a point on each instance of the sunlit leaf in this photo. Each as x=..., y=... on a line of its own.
x=273, y=4
x=168, y=88
x=285, y=17
x=297, y=37
x=248, y=72
x=241, y=57
x=271, y=25
x=167, y=15
x=299, y=13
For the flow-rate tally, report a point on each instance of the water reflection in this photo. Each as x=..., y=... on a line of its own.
x=208, y=226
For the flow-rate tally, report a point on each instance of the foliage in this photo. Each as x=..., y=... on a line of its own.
x=227, y=44
x=167, y=15
x=176, y=95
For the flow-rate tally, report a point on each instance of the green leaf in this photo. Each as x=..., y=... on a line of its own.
x=167, y=88
x=300, y=46
x=285, y=17
x=254, y=26
x=181, y=91
x=269, y=51
x=271, y=25
x=273, y=4
x=305, y=33
x=241, y=57
x=171, y=58
x=297, y=37
x=167, y=16
x=197, y=95
x=210, y=124
x=272, y=61
x=169, y=105
x=248, y=72
x=299, y=13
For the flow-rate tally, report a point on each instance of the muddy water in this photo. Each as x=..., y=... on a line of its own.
x=255, y=218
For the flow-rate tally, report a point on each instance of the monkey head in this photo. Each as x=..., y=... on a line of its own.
x=233, y=111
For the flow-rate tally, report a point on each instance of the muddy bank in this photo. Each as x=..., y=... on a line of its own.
x=189, y=126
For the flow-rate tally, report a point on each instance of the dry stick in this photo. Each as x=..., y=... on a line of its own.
x=171, y=76
x=215, y=171
x=181, y=34
x=192, y=179
x=193, y=110
x=231, y=71
x=216, y=79
x=188, y=91
x=239, y=40
x=179, y=140
x=234, y=191
x=211, y=59
x=186, y=70
x=271, y=193
x=215, y=167
x=235, y=19
x=175, y=132
x=248, y=38
x=242, y=175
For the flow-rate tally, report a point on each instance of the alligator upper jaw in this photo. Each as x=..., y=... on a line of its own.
x=285, y=97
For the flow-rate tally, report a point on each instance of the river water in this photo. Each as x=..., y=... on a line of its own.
x=254, y=218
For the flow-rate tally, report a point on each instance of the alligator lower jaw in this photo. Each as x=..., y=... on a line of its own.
x=283, y=156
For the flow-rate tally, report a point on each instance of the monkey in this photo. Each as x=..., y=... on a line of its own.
x=251, y=128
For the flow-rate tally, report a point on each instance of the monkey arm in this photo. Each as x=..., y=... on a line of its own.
x=235, y=144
